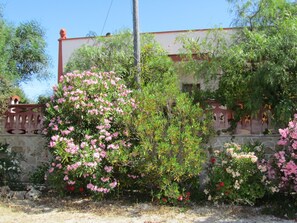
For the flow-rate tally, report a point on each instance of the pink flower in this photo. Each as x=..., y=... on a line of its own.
x=180, y=198
x=65, y=132
x=55, y=128
x=103, y=154
x=51, y=170
x=113, y=184
x=55, y=138
x=282, y=142
x=108, y=169
x=284, y=132
x=104, y=179
x=294, y=134
x=109, y=138
x=66, y=178
x=96, y=155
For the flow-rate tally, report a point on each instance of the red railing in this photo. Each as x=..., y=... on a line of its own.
x=24, y=119
x=246, y=126
x=28, y=119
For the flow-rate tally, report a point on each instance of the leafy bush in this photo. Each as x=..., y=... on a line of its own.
x=38, y=176
x=170, y=132
x=10, y=169
x=85, y=129
x=233, y=175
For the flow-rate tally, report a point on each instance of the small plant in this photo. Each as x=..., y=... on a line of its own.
x=233, y=175
x=10, y=169
x=38, y=176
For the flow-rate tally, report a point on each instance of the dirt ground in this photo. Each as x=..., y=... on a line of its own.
x=51, y=209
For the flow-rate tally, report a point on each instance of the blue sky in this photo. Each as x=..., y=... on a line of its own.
x=80, y=17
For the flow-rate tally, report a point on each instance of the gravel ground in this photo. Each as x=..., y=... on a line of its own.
x=50, y=209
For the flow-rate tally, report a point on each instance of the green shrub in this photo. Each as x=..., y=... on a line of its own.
x=10, y=169
x=170, y=133
x=38, y=176
x=233, y=175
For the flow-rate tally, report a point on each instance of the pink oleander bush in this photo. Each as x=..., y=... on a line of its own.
x=233, y=175
x=280, y=171
x=86, y=133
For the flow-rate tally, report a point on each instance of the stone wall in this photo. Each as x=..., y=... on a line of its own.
x=269, y=141
x=31, y=147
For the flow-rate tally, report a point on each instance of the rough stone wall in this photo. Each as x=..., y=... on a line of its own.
x=31, y=147
x=269, y=142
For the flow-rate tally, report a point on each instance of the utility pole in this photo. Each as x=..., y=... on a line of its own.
x=136, y=41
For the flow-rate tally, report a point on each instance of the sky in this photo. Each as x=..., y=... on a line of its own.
x=79, y=18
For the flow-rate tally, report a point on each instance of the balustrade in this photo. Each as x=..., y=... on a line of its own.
x=24, y=119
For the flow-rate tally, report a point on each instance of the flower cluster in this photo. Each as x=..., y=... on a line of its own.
x=280, y=171
x=233, y=175
x=84, y=126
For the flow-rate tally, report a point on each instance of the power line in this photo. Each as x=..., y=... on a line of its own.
x=106, y=17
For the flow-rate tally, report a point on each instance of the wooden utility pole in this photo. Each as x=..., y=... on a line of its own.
x=136, y=41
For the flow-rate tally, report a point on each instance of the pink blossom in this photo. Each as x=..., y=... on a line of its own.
x=284, y=132
x=103, y=154
x=294, y=145
x=93, y=142
x=66, y=178
x=96, y=155
x=109, y=138
x=65, y=132
x=104, y=179
x=293, y=135
x=51, y=170
x=52, y=144
x=290, y=168
x=55, y=128
x=90, y=186
x=108, y=169
x=71, y=128
x=113, y=184
x=282, y=142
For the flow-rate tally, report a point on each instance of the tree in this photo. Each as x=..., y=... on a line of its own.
x=258, y=67
x=115, y=53
x=22, y=50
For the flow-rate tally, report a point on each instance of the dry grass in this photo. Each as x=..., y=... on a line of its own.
x=51, y=209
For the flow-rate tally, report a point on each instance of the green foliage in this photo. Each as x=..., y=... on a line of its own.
x=9, y=166
x=115, y=53
x=170, y=133
x=38, y=176
x=5, y=93
x=22, y=51
x=233, y=175
x=257, y=66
